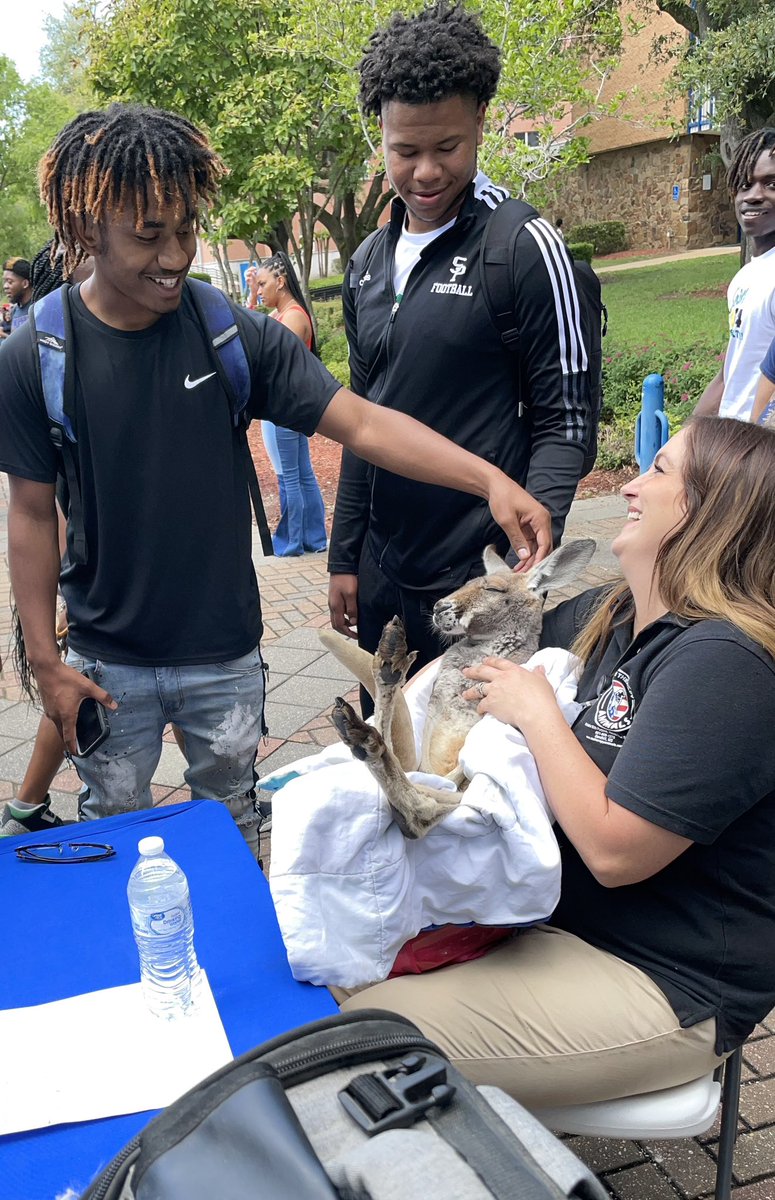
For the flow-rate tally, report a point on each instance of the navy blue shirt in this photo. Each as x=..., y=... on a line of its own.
x=681, y=720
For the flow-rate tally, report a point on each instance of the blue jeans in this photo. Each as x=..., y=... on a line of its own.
x=219, y=707
x=302, y=512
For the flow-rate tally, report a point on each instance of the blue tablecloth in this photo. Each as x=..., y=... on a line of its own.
x=66, y=930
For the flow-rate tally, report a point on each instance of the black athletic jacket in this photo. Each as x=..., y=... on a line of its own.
x=437, y=357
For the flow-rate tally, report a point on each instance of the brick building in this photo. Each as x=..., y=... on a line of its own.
x=668, y=190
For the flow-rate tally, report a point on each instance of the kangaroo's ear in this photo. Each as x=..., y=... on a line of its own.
x=493, y=563
x=561, y=567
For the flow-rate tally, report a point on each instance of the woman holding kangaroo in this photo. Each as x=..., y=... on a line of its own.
x=656, y=963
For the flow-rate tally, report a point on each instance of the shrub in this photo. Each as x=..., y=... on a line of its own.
x=685, y=369
x=606, y=236
x=200, y=275
x=581, y=250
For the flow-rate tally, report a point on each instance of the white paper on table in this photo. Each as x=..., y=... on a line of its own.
x=107, y=1056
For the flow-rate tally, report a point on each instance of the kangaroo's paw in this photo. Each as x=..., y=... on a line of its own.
x=363, y=740
x=392, y=662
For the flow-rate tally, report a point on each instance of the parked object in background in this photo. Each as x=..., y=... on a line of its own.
x=651, y=428
x=163, y=925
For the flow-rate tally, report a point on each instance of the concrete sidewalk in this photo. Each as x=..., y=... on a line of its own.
x=303, y=682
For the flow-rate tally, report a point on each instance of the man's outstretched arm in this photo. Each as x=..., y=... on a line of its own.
x=400, y=444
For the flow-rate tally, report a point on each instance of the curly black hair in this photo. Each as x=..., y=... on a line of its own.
x=441, y=52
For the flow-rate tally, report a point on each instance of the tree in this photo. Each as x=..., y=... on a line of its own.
x=556, y=59
x=275, y=83
x=64, y=58
x=729, y=56
x=281, y=130
x=31, y=116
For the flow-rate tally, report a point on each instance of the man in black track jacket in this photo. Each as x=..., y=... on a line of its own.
x=422, y=342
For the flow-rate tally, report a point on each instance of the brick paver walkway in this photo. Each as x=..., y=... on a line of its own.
x=303, y=681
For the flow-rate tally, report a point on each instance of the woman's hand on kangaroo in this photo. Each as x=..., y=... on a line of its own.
x=511, y=693
x=525, y=521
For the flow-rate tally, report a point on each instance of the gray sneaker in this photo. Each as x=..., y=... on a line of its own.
x=36, y=820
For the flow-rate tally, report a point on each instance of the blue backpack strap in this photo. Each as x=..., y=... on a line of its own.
x=52, y=331
x=216, y=317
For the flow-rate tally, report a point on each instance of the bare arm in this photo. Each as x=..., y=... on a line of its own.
x=406, y=447
x=765, y=394
x=34, y=560
x=710, y=400
x=618, y=846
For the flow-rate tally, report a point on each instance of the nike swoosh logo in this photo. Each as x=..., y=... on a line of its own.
x=192, y=383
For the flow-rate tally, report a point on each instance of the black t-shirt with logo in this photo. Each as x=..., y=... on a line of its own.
x=681, y=720
x=170, y=579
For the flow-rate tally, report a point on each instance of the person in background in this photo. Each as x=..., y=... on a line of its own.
x=559, y=228
x=17, y=285
x=763, y=411
x=302, y=524
x=751, y=294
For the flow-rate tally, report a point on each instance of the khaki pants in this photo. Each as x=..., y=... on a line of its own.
x=551, y=1020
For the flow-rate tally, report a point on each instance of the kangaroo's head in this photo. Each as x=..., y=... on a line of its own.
x=501, y=601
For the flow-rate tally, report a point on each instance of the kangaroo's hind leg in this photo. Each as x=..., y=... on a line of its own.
x=390, y=667
x=415, y=807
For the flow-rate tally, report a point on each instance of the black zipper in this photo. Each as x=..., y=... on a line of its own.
x=108, y=1176
x=340, y=1054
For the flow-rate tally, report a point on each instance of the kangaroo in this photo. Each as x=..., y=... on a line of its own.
x=496, y=614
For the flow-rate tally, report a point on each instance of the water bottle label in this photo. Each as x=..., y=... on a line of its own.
x=169, y=921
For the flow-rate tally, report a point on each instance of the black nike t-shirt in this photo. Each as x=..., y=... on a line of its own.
x=169, y=579
x=680, y=719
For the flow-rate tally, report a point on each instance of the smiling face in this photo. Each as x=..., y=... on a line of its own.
x=138, y=271
x=755, y=203
x=430, y=156
x=656, y=505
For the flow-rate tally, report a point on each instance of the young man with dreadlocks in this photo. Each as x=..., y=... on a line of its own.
x=751, y=294
x=165, y=610
x=422, y=341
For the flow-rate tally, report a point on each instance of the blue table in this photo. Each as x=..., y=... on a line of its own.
x=66, y=930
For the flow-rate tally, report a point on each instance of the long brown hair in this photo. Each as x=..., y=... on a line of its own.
x=720, y=563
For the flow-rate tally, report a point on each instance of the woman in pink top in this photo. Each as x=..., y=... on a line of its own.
x=302, y=512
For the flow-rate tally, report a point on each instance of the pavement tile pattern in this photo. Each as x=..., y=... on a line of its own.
x=303, y=681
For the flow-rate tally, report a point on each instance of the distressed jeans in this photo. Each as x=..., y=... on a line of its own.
x=219, y=707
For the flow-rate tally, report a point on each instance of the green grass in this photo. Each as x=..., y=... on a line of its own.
x=658, y=304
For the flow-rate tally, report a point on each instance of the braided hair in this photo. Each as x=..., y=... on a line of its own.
x=441, y=52
x=748, y=151
x=282, y=268
x=47, y=272
x=107, y=161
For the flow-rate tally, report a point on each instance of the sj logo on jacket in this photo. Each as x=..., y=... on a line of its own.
x=453, y=288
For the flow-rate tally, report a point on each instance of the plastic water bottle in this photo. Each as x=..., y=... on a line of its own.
x=160, y=907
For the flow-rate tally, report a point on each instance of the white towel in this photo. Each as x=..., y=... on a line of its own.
x=349, y=889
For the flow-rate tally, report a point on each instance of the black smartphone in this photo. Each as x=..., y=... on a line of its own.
x=91, y=725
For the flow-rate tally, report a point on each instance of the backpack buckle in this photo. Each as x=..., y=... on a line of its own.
x=398, y=1096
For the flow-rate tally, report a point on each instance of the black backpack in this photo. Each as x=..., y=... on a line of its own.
x=498, y=249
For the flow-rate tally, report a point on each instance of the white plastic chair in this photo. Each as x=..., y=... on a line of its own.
x=675, y=1112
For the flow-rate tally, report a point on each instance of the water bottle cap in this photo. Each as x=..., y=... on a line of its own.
x=151, y=845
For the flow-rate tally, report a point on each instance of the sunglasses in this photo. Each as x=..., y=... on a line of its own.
x=65, y=852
